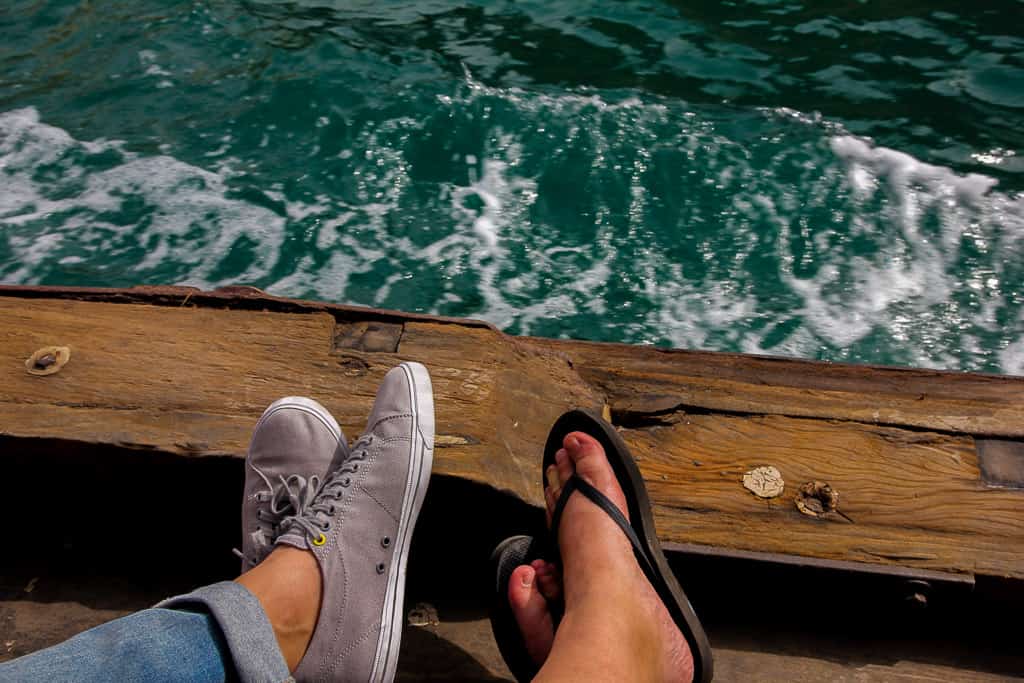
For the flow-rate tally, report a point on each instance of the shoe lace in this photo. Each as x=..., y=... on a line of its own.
x=314, y=519
x=293, y=495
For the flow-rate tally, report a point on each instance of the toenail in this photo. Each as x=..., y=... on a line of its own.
x=527, y=579
x=573, y=442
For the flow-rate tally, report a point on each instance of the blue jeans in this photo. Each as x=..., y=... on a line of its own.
x=215, y=633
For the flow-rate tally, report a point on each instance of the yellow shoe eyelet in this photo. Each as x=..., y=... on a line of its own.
x=320, y=540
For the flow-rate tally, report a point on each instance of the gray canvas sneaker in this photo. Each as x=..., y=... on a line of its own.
x=359, y=528
x=295, y=443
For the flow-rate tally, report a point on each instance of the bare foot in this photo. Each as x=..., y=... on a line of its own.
x=288, y=585
x=593, y=550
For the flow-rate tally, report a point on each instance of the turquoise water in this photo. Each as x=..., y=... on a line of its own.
x=834, y=180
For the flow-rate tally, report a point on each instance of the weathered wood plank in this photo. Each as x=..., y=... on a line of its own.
x=908, y=497
x=640, y=382
x=192, y=380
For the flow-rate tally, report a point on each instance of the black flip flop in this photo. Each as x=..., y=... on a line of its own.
x=509, y=554
x=639, y=529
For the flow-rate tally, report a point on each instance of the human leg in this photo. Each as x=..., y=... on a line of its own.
x=214, y=634
x=223, y=629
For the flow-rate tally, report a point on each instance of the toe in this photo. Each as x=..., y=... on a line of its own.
x=564, y=465
x=550, y=500
x=588, y=457
x=580, y=446
x=521, y=587
x=553, y=479
x=549, y=583
x=531, y=612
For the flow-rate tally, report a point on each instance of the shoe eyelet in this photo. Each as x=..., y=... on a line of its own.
x=319, y=540
x=331, y=510
x=355, y=467
x=385, y=542
x=380, y=568
x=346, y=482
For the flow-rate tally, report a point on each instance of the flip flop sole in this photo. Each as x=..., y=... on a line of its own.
x=642, y=521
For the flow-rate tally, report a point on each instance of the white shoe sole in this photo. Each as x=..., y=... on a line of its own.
x=421, y=460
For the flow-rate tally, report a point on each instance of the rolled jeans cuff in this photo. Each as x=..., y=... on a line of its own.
x=246, y=628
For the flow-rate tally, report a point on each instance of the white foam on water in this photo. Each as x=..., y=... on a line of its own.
x=186, y=216
x=919, y=269
x=504, y=199
x=908, y=289
x=1012, y=357
x=918, y=216
x=688, y=314
x=327, y=281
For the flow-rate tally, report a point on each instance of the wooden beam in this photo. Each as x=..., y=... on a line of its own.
x=646, y=382
x=898, y=445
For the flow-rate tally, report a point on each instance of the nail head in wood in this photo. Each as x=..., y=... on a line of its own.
x=47, y=360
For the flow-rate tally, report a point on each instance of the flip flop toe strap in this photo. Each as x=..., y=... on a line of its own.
x=576, y=483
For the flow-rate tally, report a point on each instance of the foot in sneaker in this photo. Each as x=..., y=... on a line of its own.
x=359, y=528
x=295, y=442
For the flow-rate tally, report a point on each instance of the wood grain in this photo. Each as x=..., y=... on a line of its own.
x=905, y=492
x=192, y=381
x=639, y=382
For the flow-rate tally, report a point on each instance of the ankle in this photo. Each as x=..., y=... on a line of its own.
x=288, y=585
x=600, y=578
x=614, y=617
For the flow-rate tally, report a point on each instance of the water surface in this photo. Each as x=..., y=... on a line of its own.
x=833, y=180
